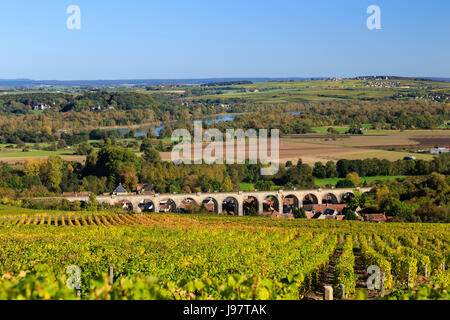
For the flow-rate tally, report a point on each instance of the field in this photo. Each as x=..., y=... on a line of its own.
x=322, y=90
x=314, y=148
x=333, y=181
x=168, y=256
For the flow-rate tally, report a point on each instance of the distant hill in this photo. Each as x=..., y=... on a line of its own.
x=437, y=79
x=23, y=83
x=17, y=83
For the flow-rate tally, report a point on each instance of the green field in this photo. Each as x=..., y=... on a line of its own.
x=333, y=181
x=344, y=129
x=245, y=186
x=328, y=182
x=322, y=90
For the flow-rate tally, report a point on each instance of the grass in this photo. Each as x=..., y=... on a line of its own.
x=320, y=90
x=245, y=186
x=344, y=129
x=333, y=181
x=382, y=154
x=34, y=153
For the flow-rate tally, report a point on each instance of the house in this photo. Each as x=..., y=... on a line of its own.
x=145, y=189
x=325, y=211
x=322, y=207
x=439, y=150
x=41, y=106
x=82, y=194
x=409, y=158
x=268, y=205
x=277, y=215
x=375, y=217
x=120, y=191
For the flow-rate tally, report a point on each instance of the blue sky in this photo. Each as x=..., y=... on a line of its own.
x=141, y=39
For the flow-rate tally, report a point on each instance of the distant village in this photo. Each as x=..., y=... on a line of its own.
x=383, y=84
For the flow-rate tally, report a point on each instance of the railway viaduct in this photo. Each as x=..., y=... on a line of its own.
x=317, y=196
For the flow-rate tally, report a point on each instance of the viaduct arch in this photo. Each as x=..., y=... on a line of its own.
x=160, y=201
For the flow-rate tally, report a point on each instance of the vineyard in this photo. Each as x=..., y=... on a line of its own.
x=168, y=256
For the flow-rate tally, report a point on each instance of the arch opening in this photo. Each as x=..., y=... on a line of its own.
x=189, y=205
x=330, y=199
x=310, y=199
x=251, y=206
x=271, y=204
x=147, y=205
x=126, y=204
x=347, y=196
x=231, y=206
x=167, y=205
x=289, y=203
x=211, y=205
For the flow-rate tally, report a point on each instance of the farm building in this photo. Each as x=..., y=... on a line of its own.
x=145, y=189
x=120, y=191
x=375, y=217
x=439, y=150
x=41, y=106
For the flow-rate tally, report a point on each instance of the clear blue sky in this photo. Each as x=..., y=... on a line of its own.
x=141, y=39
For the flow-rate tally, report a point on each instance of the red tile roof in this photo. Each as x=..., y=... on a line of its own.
x=322, y=207
x=375, y=217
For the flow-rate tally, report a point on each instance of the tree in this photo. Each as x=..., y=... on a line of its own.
x=319, y=170
x=62, y=144
x=354, y=201
x=152, y=155
x=299, y=213
x=92, y=204
x=52, y=173
x=264, y=185
x=83, y=149
x=111, y=160
x=330, y=170
x=128, y=178
x=146, y=144
x=353, y=177
x=350, y=215
x=252, y=212
x=32, y=168
x=345, y=183
x=215, y=185
x=227, y=185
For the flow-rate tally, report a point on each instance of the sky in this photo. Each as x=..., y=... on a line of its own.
x=185, y=39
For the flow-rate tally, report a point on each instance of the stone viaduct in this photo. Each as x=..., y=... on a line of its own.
x=317, y=196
